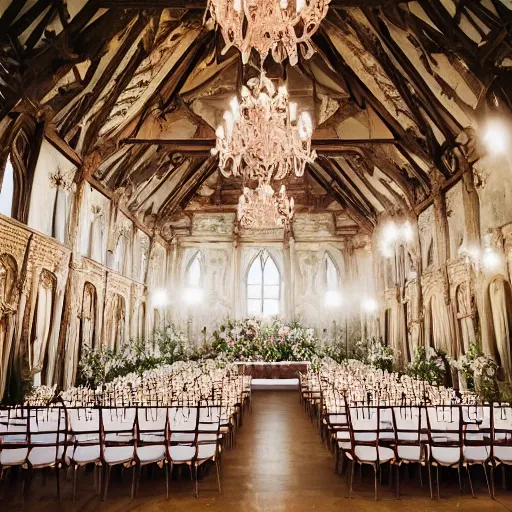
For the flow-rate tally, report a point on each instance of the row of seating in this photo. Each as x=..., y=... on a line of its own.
x=452, y=435
x=58, y=437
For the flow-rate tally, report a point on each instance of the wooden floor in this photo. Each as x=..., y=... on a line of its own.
x=279, y=465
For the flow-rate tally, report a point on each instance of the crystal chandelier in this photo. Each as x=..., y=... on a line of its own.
x=261, y=208
x=262, y=137
x=279, y=26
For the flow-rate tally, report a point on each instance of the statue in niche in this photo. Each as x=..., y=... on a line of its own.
x=500, y=298
x=217, y=263
x=8, y=276
x=308, y=265
x=87, y=318
x=63, y=183
x=95, y=251
x=465, y=312
x=116, y=322
x=41, y=325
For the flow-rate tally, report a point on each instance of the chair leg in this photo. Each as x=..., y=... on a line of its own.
x=75, y=471
x=397, y=481
x=107, y=481
x=421, y=475
x=135, y=479
x=57, y=476
x=218, y=476
x=438, y=491
x=197, y=484
x=167, y=481
x=492, y=482
x=487, y=481
x=375, y=468
x=470, y=482
x=460, y=480
x=430, y=479
x=351, y=477
x=503, y=477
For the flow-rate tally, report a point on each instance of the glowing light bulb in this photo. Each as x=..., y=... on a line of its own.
x=333, y=299
x=369, y=305
x=293, y=111
x=160, y=298
x=305, y=126
x=299, y=5
x=496, y=137
x=219, y=132
x=491, y=259
x=235, y=108
x=407, y=231
x=237, y=5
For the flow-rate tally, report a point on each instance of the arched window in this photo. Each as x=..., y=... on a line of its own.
x=263, y=286
x=7, y=191
x=331, y=273
x=195, y=271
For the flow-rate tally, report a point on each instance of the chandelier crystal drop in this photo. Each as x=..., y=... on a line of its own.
x=277, y=26
x=262, y=138
x=260, y=208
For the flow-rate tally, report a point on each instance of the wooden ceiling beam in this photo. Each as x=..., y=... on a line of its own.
x=201, y=5
x=200, y=147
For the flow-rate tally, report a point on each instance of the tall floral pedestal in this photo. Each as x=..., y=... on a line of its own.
x=281, y=370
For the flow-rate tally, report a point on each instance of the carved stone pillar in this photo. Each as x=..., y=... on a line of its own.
x=289, y=287
x=236, y=306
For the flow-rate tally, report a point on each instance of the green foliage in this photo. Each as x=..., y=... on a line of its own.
x=428, y=365
x=100, y=366
x=480, y=372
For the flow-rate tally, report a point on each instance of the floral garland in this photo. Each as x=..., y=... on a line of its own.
x=251, y=340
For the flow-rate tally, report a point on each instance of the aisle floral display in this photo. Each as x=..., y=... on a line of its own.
x=429, y=365
x=98, y=366
x=251, y=340
x=479, y=372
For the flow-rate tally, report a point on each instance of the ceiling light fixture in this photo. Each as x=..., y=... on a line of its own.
x=262, y=138
x=277, y=26
x=260, y=208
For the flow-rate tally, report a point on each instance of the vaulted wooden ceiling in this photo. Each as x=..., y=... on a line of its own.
x=135, y=88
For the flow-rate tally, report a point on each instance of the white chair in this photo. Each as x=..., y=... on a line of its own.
x=477, y=440
x=151, y=446
x=445, y=438
x=365, y=434
x=502, y=438
x=208, y=429
x=410, y=442
x=182, y=437
x=85, y=442
x=13, y=438
x=118, y=441
x=47, y=440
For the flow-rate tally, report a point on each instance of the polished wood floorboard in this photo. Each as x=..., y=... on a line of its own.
x=279, y=465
